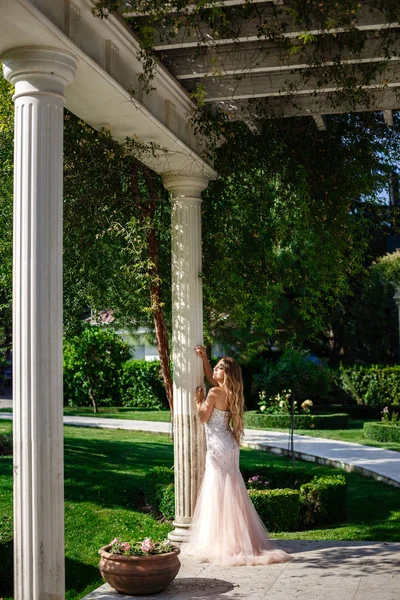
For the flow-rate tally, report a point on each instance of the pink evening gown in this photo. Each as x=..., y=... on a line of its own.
x=226, y=528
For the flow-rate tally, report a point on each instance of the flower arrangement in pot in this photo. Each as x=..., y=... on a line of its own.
x=139, y=568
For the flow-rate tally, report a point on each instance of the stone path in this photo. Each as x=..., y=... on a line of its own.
x=324, y=570
x=374, y=462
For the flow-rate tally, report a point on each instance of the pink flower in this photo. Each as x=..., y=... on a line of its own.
x=115, y=541
x=147, y=545
x=125, y=546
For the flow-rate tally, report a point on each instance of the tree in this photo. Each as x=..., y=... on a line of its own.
x=93, y=363
x=6, y=195
x=285, y=236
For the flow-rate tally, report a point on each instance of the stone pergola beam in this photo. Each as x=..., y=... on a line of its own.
x=221, y=3
x=306, y=106
x=264, y=85
x=368, y=18
x=246, y=58
x=109, y=69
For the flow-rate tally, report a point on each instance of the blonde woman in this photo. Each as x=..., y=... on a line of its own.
x=226, y=528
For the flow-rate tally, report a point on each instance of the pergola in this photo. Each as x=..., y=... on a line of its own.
x=57, y=52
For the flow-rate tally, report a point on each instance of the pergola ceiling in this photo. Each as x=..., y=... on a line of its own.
x=249, y=73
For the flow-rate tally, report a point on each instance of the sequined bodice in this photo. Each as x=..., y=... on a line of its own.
x=222, y=448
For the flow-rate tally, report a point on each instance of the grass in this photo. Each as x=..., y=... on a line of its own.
x=103, y=474
x=353, y=434
x=115, y=412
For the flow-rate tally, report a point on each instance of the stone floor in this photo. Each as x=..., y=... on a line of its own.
x=320, y=570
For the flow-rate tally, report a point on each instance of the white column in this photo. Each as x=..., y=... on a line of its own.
x=187, y=333
x=39, y=76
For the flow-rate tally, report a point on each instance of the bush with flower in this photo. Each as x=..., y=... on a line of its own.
x=306, y=406
x=392, y=419
x=278, y=404
x=143, y=548
x=257, y=483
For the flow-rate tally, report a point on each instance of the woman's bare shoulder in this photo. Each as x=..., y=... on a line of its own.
x=218, y=391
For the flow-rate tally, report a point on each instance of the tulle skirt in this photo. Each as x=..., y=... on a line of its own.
x=226, y=528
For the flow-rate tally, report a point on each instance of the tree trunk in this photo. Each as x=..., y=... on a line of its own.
x=92, y=397
x=160, y=327
x=292, y=432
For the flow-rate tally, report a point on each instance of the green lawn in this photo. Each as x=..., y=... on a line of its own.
x=103, y=474
x=353, y=434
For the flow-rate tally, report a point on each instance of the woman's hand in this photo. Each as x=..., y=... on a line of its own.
x=201, y=351
x=200, y=394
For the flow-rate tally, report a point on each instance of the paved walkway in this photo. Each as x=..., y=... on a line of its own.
x=324, y=570
x=368, y=460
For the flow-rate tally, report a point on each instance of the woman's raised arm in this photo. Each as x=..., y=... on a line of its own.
x=201, y=351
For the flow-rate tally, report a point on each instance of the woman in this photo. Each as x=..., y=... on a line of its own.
x=226, y=528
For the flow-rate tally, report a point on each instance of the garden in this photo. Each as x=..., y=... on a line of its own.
x=118, y=484
x=293, y=388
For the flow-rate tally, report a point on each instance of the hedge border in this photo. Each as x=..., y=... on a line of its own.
x=311, y=502
x=310, y=421
x=6, y=555
x=382, y=432
x=278, y=509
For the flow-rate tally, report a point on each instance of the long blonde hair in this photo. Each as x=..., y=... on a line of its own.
x=233, y=385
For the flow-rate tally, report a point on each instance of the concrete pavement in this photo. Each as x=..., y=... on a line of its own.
x=323, y=570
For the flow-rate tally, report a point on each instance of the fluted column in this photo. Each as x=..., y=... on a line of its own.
x=39, y=76
x=187, y=333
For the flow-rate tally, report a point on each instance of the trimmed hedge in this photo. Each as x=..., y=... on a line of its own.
x=382, y=432
x=293, y=501
x=6, y=444
x=141, y=385
x=279, y=477
x=374, y=385
x=167, y=501
x=278, y=509
x=323, y=501
x=310, y=421
x=6, y=556
x=158, y=492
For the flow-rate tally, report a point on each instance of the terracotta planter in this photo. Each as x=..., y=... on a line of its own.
x=139, y=575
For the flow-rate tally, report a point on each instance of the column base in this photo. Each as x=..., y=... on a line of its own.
x=180, y=533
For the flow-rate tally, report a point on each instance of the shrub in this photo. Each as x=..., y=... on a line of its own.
x=373, y=386
x=156, y=484
x=142, y=386
x=92, y=366
x=6, y=444
x=309, y=421
x=278, y=508
x=382, y=432
x=323, y=501
x=167, y=501
x=6, y=556
x=279, y=477
x=298, y=372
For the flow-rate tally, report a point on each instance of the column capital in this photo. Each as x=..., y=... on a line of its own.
x=37, y=70
x=185, y=186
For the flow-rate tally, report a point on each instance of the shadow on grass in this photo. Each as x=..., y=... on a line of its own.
x=97, y=470
x=78, y=576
